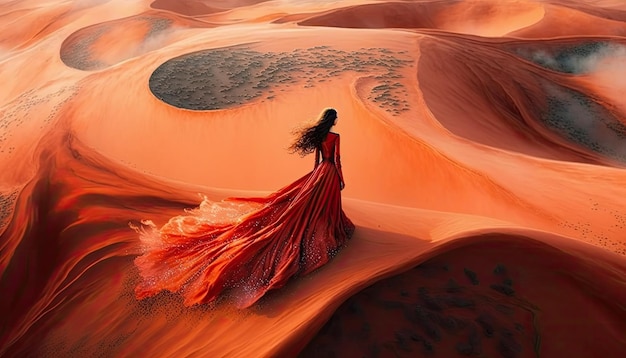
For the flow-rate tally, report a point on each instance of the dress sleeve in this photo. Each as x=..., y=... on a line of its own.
x=317, y=157
x=338, y=159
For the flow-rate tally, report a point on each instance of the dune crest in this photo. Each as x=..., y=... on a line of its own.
x=483, y=18
x=483, y=147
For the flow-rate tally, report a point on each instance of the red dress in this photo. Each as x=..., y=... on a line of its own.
x=248, y=246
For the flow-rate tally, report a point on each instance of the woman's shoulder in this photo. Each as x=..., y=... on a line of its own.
x=334, y=134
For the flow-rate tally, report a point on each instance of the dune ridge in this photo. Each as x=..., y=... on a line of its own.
x=103, y=194
x=482, y=146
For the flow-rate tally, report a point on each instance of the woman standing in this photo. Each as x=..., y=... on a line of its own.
x=291, y=232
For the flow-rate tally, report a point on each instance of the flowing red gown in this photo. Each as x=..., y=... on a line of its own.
x=248, y=246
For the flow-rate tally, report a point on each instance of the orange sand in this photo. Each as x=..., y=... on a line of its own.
x=477, y=136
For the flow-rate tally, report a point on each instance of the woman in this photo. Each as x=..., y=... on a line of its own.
x=267, y=240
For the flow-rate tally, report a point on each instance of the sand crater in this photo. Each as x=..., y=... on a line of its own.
x=228, y=77
x=106, y=44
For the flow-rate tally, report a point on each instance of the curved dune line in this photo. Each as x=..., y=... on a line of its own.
x=517, y=96
x=186, y=7
x=490, y=161
x=105, y=44
x=474, y=17
x=199, y=7
x=23, y=27
x=532, y=289
x=609, y=9
x=491, y=19
x=399, y=185
x=463, y=174
x=73, y=257
x=379, y=15
x=426, y=192
x=594, y=63
x=98, y=175
x=557, y=22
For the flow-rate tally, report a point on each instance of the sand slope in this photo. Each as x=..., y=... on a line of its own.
x=482, y=145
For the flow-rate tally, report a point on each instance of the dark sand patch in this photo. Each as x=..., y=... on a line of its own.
x=523, y=298
x=7, y=204
x=77, y=50
x=228, y=77
x=583, y=121
x=518, y=101
x=439, y=309
x=571, y=58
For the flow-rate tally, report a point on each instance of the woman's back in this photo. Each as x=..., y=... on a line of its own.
x=328, y=146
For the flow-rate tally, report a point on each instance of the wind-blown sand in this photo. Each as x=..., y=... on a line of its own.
x=483, y=147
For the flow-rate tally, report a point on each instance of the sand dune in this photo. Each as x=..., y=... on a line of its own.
x=483, y=146
x=108, y=43
x=199, y=7
x=484, y=18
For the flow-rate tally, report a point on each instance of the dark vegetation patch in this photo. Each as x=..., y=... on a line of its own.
x=7, y=203
x=585, y=122
x=76, y=49
x=568, y=58
x=228, y=77
x=426, y=312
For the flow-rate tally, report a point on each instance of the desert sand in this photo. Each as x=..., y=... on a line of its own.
x=483, y=147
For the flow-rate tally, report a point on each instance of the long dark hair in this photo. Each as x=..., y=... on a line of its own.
x=310, y=138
